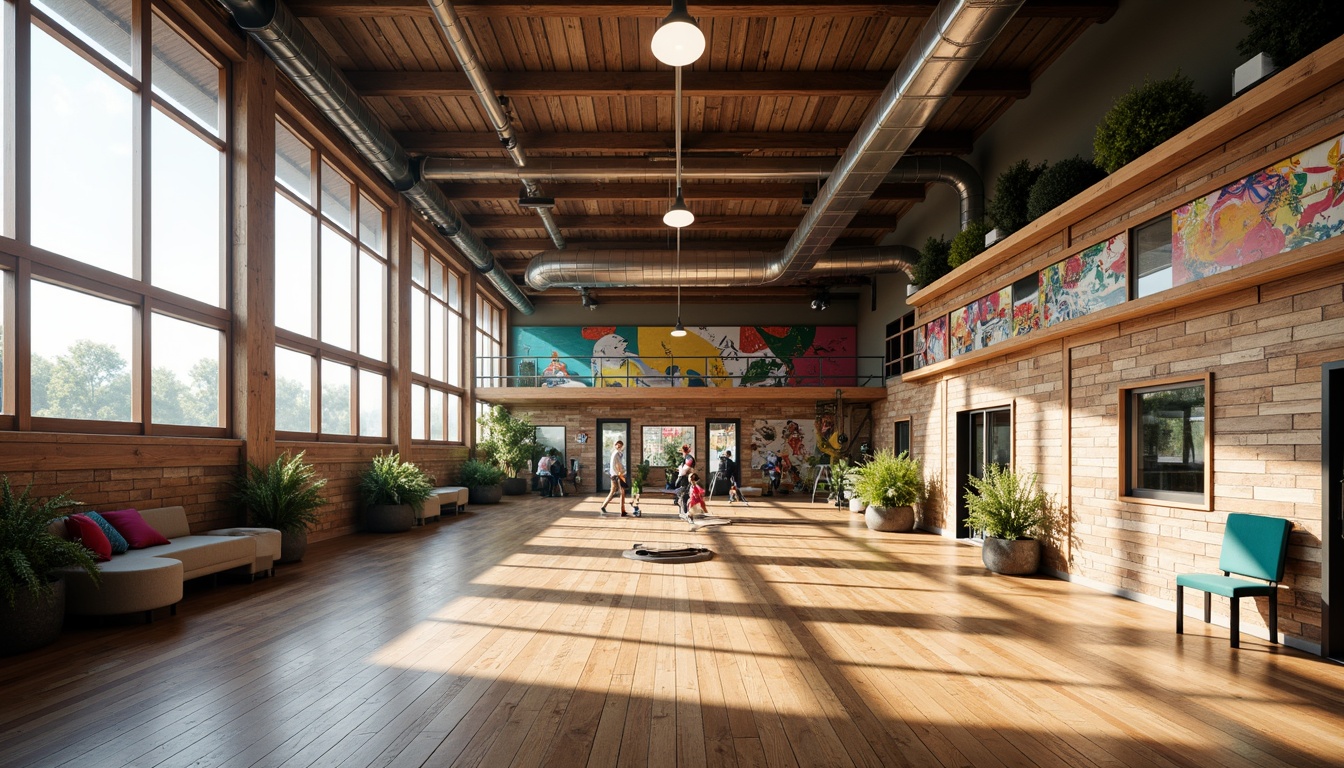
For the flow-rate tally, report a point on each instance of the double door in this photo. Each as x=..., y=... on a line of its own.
x=983, y=437
x=609, y=431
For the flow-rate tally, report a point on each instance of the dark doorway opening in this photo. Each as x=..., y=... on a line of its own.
x=983, y=437
x=1332, y=511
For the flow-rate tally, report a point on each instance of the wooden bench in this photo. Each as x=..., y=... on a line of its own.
x=1253, y=546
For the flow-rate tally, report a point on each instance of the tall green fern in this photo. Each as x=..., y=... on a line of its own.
x=1006, y=505
x=284, y=494
x=29, y=552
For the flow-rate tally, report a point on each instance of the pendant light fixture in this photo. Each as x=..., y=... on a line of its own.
x=678, y=215
x=678, y=41
x=678, y=330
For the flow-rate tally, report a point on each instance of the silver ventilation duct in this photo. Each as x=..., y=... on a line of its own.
x=623, y=269
x=451, y=24
x=298, y=55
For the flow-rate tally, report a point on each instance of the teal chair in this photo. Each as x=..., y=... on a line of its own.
x=1253, y=546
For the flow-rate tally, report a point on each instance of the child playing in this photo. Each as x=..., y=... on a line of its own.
x=697, y=496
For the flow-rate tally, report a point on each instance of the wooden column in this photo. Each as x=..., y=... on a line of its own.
x=252, y=265
x=399, y=330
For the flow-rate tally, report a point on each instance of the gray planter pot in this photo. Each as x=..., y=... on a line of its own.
x=485, y=494
x=33, y=621
x=389, y=518
x=891, y=519
x=856, y=505
x=292, y=546
x=1018, y=557
x=514, y=486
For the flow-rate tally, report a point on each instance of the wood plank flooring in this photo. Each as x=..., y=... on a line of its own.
x=517, y=635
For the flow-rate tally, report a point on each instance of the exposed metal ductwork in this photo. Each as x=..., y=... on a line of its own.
x=623, y=269
x=298, y=55
x=948, y=46
x=465, y=52
x=927, y=169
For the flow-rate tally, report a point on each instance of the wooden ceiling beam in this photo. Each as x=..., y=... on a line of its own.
x=1008, y=84
x=448, y=142
x=1091, y=10
x=656, y=191
x=632, y=222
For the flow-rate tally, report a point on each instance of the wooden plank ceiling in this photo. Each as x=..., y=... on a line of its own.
x=779, y=78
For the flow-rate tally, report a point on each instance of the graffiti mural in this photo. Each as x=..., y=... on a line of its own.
x=931, y=342
x=1293, y=203
x=981, y=323
x=1027, y=310
x=1085, y=282
x=708, y=356
x=789, y=441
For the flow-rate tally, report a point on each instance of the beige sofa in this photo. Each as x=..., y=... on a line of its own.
x=452, y=495
x=144, y=579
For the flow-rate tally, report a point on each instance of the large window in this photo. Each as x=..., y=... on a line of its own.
x=662, y=445
x=489, y=344
x=900, y=357
x=1166, y=441
x=436, y=347
x=1152, y=257
x=124, y=208
x=331, y=296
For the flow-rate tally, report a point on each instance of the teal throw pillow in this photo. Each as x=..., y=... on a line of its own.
x=119, y=543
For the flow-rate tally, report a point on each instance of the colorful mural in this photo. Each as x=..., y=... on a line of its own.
x=789, y=441
x=931, y=342
x=983, y=322
x=649, y=356
x=1290, y=204
x=1027, y=311
x=1085, y=282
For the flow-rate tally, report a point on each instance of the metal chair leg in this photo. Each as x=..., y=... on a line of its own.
x=1274, y=617
x=1208, y=607
x=1234, y=623
x=1180, y=609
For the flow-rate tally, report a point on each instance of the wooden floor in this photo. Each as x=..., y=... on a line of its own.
x=518, y=635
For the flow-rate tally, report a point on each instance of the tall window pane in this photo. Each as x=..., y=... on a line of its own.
x=454, y=417
x=336, y=197
x=372, y=394
x=1152, y=257
x=437, y=354
x=186, y=372
x=6, y=341
x=187, y=252
x=419, y=331
x=81, y=347
x=371, y=225
x=336, y=412
x=419, y=394
x=372, y=306
x=293, y=267
x=437, y=400
x=82, y=189
x=185, y=78
x=455, y=349
x=6, y=196
x=293, y=164
x=293, y=391
x=337, y=289
x=104, y=24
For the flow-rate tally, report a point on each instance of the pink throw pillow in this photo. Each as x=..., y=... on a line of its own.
x=87, y=533
x=139, y=534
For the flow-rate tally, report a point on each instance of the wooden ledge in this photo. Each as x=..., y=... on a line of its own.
x=663, y=395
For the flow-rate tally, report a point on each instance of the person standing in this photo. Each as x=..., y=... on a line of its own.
x=618, y=481
x=683, y=487
x=544, y=474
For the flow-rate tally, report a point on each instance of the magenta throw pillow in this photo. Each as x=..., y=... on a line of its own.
x=139, y=534
x=87, y=533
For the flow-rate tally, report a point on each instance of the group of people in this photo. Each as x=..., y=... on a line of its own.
x=688, y=493
x=552, y=471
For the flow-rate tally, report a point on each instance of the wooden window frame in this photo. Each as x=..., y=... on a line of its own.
x=24, y=263
x=900, y=346
x=909, y=436
x=455, y=346
x=1129, y=444
x=314, y=346
x=488, y=309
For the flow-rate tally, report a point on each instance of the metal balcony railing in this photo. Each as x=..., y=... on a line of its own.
x=679, y=371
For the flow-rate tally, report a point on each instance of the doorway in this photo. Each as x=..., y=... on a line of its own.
x=983, y=437
x=608, y=432
x=1332, y=511
x=720, y=436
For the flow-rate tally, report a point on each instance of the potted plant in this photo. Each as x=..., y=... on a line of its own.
x=670, y=458
x=932, y=262
x=32, y=599
x=639, y=477
x=509, y=442
x=1288, y=30
x=393, y=492
x=1145, y=117
x=890, y=485
x=1010, y=509
x=284, y=495
x=482, y=481
x=1059, y=183
x=1008, y=207
x=969, y=243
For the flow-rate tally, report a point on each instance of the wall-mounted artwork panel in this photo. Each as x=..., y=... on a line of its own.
x=649, y=356
x=1085, y=282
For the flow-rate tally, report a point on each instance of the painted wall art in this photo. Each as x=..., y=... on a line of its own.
x=1027, y=310
x=931, y=342
x=981, y=323
x=1291, y=204
x=1085, y=282
x=790, y=441
x=648, y=356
